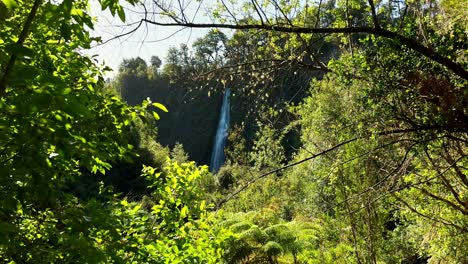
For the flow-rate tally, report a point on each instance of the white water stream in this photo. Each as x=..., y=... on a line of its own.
x=217, y=156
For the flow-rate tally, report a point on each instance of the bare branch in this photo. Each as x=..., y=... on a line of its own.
x=122, y=35
x=229, y=11
x=384, y=133
x=446, y=182
x=182, y=11
x=439, y=220
x=258, y=12
x=403, y=16
x=446, y=201
x=374, y=15
x=283, y=13
x=263, y=12
x=410, y=43
x=317, y=22
x=220, y=203
x=460, y=174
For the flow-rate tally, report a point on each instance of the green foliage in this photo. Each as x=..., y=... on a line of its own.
x=59, y=129
x=236, y=150
x=351, y=183
x=192, y=117
x=182, y=223
x=209, y=49
x=267, y=152
x=258, y=240
x=135, y=66
x=178, y=153
x=396, y=192
x=226, y=178
x=156, y=62
x=169, y=227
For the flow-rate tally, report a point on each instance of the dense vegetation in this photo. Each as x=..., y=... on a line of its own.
x=348, y=141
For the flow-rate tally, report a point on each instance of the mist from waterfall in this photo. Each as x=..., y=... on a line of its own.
x=217, y=156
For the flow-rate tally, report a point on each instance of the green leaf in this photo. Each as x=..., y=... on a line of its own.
x=156, y=116
x=160, y=106
x=184, y=212
x=10, y=3
x=66, y=91
x=76, y=12
x=135, y=209
x=121, y=13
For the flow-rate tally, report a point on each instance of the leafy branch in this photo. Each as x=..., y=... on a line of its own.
x=321, y=153
x=410, y=43
x=19, y=43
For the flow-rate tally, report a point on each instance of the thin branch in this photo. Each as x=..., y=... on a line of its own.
x=19, y=43
x=386, y=177
x=394, y=191
x=439, y=220
x=410, y=43
x=225, y=67
x=403, y=17
x=348, y=24
x=197, y=10
x=406, y=186
x=157, y=40
x=229, y=12
x=122, y=35
x=263, y=12
x=220, y=203
x=258, y=12
x=283, y=13
x=384, y=133
x=442, y=199
x=182, y=12
x=317, y=21
x=168, y=13
x=312, y=55
x=374, y=15
x=460, y=174
x=446, y=182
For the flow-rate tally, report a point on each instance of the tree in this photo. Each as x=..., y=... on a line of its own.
x=59, y=125
x=209, y=49
x=178, y=61
x=156, y=62
x=155, y=65
x=134, y=65
x=404, y=34
x=363, y=18
x=386, y=126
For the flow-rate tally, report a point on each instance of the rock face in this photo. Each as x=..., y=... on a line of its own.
x=192, y=118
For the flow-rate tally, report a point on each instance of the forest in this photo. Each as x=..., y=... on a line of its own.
x=346, y=134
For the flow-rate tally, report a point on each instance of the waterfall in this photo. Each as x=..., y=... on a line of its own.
x=217, y=156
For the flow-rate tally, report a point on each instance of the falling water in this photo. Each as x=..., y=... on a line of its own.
x=217, y=156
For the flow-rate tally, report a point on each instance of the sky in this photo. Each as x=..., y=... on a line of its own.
x=147, y=41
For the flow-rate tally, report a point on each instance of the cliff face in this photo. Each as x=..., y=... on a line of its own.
x=193, y=124
x=194, y=105
x=194, y=112
x=192, y=117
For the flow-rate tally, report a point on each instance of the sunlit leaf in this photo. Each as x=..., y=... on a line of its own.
x=160, y=106
x=10, y=3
